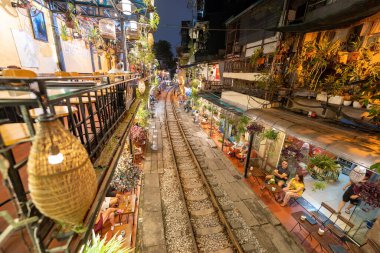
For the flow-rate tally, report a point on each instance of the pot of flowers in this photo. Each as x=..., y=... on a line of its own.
x=323, y=168
x=253, y=128
x=138, y=135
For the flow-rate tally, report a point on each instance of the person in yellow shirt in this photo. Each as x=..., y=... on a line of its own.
x=294, y=189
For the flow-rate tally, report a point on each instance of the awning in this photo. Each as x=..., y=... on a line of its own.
x=355, y=146
x=215, y=99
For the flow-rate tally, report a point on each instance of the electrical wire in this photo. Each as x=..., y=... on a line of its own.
x=212, y=29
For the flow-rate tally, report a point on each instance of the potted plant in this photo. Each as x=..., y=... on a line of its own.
x=347, y=100
x=323, y=168
x=114, y=245
x=271, y=135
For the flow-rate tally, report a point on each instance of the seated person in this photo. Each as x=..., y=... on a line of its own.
x=294, y=190
x=280, y=174
x=107, y=212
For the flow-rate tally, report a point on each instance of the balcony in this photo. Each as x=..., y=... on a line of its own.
x=98, y=112
x=243, y=69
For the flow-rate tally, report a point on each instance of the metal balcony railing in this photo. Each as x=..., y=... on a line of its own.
x=245, y=66
x=90, y=107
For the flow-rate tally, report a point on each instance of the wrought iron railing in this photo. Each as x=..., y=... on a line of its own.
x=94, y=107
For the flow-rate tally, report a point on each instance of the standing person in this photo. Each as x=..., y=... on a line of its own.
x=351, y=194
x=280, y=174
x=294, y=190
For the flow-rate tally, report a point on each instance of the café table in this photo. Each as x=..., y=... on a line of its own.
x=305, y=225
x=326, y=242
x=257, y=173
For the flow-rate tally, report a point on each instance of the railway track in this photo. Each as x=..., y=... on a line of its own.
x=209, y=228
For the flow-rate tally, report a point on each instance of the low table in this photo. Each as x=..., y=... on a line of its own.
x=304, y=224
x=272, y=189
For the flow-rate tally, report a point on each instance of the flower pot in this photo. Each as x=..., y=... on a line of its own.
x=357, y=104
x=353, y=56
x=260, y=61
x=342, y=57
x=336, y=100
x=347, y=103
x=322, y=96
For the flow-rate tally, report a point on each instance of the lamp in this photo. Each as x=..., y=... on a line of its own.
x=62, y=181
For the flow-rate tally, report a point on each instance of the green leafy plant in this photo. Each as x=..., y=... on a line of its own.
x=375, y=167
x=271, y=134
x=323, y=168
x=97, y=245
x=319, y=185
x=154, y=21
x=258, y=53
x=64, y=33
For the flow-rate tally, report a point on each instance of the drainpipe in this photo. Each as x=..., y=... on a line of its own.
x=57, y=41
x=248, y=158
x=123, y=43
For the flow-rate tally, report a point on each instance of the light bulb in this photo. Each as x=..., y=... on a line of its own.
x=55, y=156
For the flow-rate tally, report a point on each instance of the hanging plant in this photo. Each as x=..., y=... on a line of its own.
x=370, y=193
x=64, y=33
x=154, y=21
x=71, y=19
x=253, y=128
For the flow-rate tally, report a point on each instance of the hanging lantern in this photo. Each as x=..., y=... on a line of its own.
x=141, y=86
x=62, y=180
x=126, y=6
x=107, y=29
x=357, y=174
x=150, y=39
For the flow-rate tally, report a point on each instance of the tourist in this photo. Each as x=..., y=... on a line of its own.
x=280, y=175
x=294, y=189
x=107, y=212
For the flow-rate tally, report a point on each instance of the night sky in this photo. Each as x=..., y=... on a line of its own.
x=171, y=12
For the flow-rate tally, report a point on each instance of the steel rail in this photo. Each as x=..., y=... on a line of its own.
x=210, y=192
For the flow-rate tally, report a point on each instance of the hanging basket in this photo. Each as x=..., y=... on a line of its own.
x=63, y=191
x=107, y=29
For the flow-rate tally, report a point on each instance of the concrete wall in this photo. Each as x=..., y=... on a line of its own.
x=243, y=101
x=10, y=19
x=76, y=56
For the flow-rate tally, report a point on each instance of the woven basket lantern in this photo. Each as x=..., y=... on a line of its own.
x=63, y=191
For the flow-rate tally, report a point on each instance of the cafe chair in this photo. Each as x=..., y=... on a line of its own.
x=337, y=230
x=319, y=216
x=22, y=73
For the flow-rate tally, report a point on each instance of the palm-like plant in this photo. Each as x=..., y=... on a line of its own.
x=323, y=167
x=97, y=245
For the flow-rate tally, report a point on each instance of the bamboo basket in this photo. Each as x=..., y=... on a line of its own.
x=64, y=191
